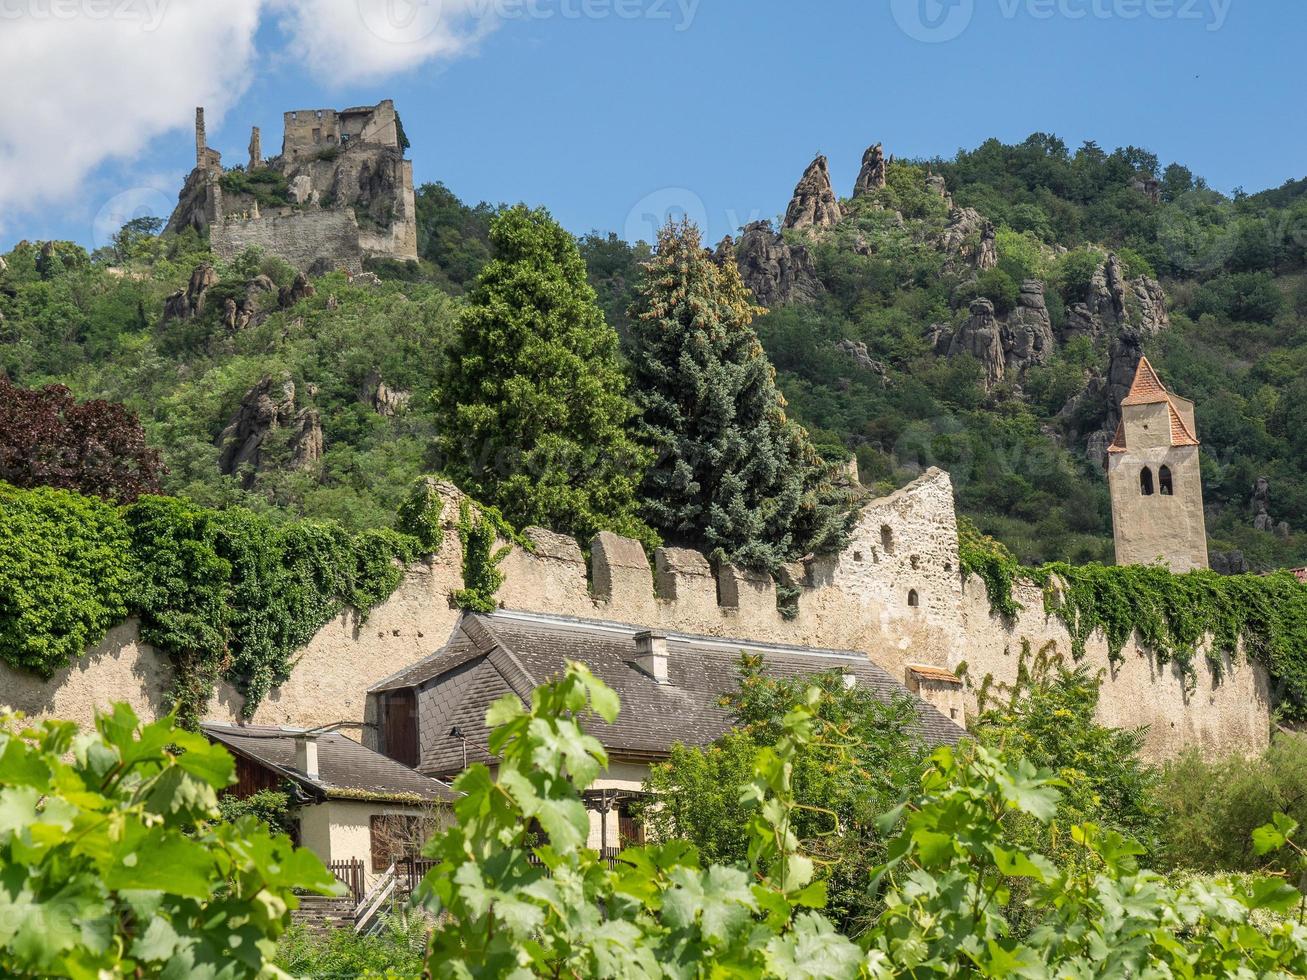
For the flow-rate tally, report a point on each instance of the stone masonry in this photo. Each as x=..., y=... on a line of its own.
x=896, y=592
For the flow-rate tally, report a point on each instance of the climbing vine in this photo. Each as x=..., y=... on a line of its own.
x=987, y=558
x=1175, y=617
x=227, y=595
x=477, y=528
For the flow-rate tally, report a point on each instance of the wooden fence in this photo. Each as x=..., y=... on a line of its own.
x=351, y=873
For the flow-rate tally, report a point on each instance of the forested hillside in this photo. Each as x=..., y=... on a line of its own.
x=883, y=337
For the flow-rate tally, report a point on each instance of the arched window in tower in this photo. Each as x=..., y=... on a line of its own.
x=1146, y=482
x=886, y=539
x=914, y=600
x=1164, y=482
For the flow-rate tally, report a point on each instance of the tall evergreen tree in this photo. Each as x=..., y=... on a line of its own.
x=534, y=407
x=733, y=473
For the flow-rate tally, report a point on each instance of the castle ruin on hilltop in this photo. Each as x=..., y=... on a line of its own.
x=340, y=192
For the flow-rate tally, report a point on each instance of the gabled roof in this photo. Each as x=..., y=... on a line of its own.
x=1148, y=389
x=512, y=653
x=346, y=769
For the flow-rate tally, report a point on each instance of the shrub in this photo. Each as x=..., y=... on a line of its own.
x=48, y=439
x=1213, y=806
x=66, y=576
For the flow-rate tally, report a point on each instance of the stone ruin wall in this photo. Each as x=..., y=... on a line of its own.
x=856, y=600
x=305, y=239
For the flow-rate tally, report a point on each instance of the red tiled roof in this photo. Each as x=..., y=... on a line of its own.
x=1302, y=574
x=1147, y=388
x=1180, y=434
x=1118, y=440
x=937, y=674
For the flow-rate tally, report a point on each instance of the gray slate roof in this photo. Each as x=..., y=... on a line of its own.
x=511, y=652
x=346, y=769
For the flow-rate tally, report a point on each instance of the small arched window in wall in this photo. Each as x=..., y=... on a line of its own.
x=914, y=600
x=1164, y=482
x=886, y=539
x=1146, y=482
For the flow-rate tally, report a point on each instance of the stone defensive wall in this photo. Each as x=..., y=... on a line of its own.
x=305, y=239
x=896, y=592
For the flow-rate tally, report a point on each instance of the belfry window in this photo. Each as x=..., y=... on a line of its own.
x=887, y=539
x=1164, y=482
x=1146, y=482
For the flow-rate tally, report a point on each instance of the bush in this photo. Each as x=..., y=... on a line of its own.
x=1214, y=806
x=66, y=576
x=116, y=864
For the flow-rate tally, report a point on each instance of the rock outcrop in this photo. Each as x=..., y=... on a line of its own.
x=383, y=399
x=1115, y=302
x=300, y=289
x=981, y=337
x=1028, y=332
x=969, y=240
x=266, y=409
x=189, y=302
x=872, y=176
x=814, y=204
x=776, y=271
x=856, y=350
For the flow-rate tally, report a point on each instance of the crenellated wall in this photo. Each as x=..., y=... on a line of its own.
x=902, y=551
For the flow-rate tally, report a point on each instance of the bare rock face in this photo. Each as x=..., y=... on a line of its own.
x=300, y=289
x=776, y=271
x=1261, y=507
x=383, y=399
x=981, y=337
x=857, y=351
x=987, y=258
x=1230, y=563
x=266, y=408
x=815, y=204
x=1115, y=302
x=938, y=186
x=189, y=302
x=970, y=239
x=1028, y=333
x=872, y=176
x=301, y=190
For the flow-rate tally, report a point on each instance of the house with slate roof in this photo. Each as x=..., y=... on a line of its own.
x=355, y=809
x=432, y=715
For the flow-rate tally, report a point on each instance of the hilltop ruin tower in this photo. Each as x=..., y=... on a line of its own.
x=340, y=192
x=1155, y=480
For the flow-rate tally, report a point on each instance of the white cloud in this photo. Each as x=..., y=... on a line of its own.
x=363, y=40
x=81, y=87
x=83, y=82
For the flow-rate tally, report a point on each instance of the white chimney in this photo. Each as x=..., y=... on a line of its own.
x=306, y=755
x=651, y=654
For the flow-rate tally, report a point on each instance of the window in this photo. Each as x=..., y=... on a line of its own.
x=1146, y=482
x=1164, y=482
x=914, y=600
x=887, y=539
x=317, y=136
x=395, y=836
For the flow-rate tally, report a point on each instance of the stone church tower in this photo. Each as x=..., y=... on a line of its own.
x=1153, y=473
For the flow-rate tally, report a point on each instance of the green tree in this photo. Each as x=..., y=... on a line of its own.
x=734, y=473
x=114, y=861
x=854, y=774
x=534, y=410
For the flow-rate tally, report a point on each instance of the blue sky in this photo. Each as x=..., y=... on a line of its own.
x=716, y=106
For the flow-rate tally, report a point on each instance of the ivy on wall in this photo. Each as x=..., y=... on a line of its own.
x=477, y=527
x=1172, y=615
x=228, y=595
